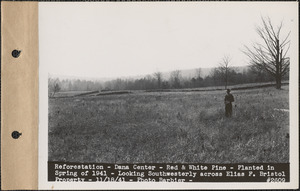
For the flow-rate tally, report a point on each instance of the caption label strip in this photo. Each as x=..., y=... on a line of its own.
x=97, y=172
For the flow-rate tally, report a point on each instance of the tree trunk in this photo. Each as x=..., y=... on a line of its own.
x=278, y=68
x=278, y=82
x=226, y=79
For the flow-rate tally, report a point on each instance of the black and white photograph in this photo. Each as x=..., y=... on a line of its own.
x=168, y=83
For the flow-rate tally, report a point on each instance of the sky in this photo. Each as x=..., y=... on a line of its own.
x=118, y=39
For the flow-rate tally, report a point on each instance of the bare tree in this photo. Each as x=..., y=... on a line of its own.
x=53, y=86
x=224, y=68
x=271, y=55
x=175, y=78
x=198, y=73
x=197, y=80
x=158, y=77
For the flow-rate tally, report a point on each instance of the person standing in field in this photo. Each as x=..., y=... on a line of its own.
x=228, y=103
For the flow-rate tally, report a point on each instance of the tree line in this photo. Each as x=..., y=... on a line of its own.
x=217, y=77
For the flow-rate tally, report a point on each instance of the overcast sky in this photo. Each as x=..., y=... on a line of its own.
x=127, y=39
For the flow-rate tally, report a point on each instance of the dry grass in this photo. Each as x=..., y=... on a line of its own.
x=169, y=127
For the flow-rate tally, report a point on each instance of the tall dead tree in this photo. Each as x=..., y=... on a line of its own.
x=271, y=54
x=158, y=77
x=198, y=81
x=175, y=78
x=53, y=86
x=224, y=69
x=198, y=73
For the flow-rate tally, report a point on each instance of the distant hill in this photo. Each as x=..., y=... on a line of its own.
x=66, y=77
x=189, y=73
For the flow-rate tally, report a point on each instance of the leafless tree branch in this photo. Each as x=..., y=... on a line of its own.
x=270, y=56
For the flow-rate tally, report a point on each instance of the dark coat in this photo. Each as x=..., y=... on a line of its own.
x=228, y=104
x=229, y=99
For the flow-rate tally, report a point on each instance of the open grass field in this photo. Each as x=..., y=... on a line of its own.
x=171, y=127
